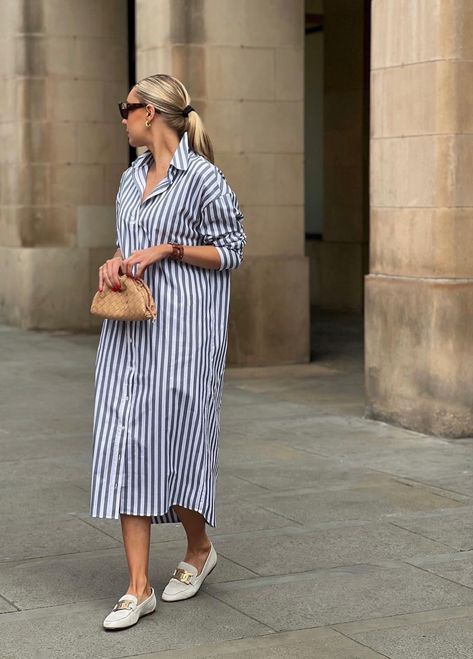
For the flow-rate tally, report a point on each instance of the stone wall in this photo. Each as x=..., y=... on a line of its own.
x=63, y=68
x=242, y=62
x=419, y=293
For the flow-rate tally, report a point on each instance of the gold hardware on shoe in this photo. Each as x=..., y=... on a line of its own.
x=123, y=604
x=183, y=575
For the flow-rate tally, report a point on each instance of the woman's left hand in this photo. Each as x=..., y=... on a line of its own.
x=144, y=257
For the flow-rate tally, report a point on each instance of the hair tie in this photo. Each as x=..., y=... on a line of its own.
x=186, y=110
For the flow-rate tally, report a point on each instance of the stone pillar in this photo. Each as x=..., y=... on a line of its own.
x=242, y=62
x=419, y=293
x=339, y=261
x=63, y=67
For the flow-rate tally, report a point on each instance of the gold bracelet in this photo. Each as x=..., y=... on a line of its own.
x=177, y=252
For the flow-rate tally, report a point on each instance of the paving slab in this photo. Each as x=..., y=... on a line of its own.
x=25, y=446
x=357, y=502
x=75, y=631
x=448, y=639
x=295, y=550
x=85, y=575
x=338, y=537
x=327, y=597
x=454, y=480
x=457, y=567
x=453, y=527
x=6, y=606
x=268, y=410
x=51, y=469
x=322, y=643
x=60, y=497
x=41, y=535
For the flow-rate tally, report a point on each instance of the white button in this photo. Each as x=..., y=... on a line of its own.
x=116, y=485
x=122, y=427
x=119, y=456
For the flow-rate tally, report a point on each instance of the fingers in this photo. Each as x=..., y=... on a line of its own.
x=141, y=268
x=139, y=260
x=104, y=278
x=114, y=267
x=108, y=274
x=126, y=267
x=110, y=271
x=130, y=263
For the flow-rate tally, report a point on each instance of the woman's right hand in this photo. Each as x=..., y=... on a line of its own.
x=109, y=273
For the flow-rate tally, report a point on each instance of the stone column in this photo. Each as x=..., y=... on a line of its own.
x=63, y=68
x=419, y=293
x=242, y=62
x=339, y=261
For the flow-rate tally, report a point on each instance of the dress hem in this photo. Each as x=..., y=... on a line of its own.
x=155, y=517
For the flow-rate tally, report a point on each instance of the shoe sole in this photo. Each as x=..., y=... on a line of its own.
x=187, y=597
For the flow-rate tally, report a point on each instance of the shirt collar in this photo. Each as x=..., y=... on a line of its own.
x=180, y=159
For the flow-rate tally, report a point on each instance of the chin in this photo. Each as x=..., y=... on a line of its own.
x=134, y=142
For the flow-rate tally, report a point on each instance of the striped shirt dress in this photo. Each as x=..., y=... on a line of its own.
x=158, y=384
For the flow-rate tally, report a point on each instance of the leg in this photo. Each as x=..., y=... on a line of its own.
x=198, y=542
x=136, y=537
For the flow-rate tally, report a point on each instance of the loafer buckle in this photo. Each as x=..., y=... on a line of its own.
x=123, y=604
x=183, y=575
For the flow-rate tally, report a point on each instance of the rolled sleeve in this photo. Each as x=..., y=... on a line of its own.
x=221, y=226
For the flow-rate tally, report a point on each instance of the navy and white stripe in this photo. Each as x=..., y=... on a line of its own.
x=158, y=386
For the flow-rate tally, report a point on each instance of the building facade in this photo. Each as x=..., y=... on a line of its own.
x=344, y=126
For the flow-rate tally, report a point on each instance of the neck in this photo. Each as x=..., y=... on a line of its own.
x=163, y=145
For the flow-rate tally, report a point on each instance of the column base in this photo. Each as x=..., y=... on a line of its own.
x=270, y=312
x=418, y=353
x=50, y=287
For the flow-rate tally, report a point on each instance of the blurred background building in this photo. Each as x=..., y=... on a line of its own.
x=345, y=128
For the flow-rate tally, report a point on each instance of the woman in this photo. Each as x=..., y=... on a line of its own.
x=159, y=384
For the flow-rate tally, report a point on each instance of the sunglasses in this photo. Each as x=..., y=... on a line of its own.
x=125, y=108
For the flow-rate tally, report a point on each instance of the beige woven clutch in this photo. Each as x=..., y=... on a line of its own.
x=133, y=302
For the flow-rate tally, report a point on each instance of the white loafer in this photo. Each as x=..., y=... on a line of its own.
x=127, y=611
x=185, y=581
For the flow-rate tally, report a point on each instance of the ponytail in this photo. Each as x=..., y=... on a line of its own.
x=199, y=139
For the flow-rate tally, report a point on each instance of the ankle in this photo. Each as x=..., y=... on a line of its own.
x=201, y=547
x=139, y=588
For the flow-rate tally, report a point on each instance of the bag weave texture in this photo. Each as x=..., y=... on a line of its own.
x=133, y=301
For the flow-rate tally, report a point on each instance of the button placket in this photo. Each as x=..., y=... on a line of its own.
x=124, y=416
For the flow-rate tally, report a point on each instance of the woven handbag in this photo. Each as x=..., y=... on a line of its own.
x=132, y=302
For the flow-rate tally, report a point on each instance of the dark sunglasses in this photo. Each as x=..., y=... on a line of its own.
x=125, y=108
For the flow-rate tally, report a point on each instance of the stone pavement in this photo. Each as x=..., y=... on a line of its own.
x=338, y=537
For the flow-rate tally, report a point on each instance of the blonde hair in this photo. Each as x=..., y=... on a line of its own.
x=169, y=95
